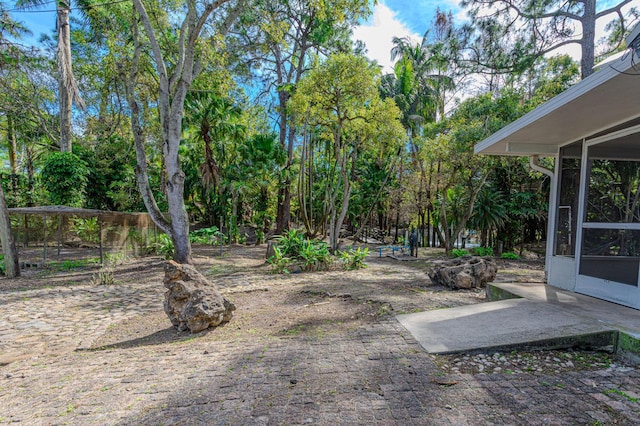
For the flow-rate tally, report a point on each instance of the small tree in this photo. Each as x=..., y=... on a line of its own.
x=340, y=98
x=178, y=60
x=65, y=177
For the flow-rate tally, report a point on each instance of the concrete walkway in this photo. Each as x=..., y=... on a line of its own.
x=539, y=316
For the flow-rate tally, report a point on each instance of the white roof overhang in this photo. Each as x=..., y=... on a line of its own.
x=606, y=98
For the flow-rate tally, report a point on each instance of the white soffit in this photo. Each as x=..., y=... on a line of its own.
x=606, y=98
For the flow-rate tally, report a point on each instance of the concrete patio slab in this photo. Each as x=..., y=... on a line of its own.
x=542, y=317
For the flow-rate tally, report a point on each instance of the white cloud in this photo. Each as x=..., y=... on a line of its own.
x=378, y=33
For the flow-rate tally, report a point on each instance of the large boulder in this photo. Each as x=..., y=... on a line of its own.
x=464, y=272
x=192, y=302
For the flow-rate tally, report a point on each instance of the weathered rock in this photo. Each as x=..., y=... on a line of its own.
x=464, y=272
x=192, y=302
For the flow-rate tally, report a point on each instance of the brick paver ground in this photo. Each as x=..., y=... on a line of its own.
x=375, y=374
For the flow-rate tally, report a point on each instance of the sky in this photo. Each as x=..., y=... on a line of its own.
x=390, y=18
x=402, y=18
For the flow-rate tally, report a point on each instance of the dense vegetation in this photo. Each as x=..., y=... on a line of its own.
x=266, y=114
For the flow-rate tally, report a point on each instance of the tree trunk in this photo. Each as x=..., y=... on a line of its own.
x=283, y=214
x=588, y=22
x=12, y=265
x=65, y=87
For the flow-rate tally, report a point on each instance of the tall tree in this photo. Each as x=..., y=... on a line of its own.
x=280, y=36
x=340, y=98
x=68, y=90
x=512, y=33
x=12, y=265
x=178, y=60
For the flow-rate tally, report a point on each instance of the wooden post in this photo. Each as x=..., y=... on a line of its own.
x=44, y=246
x=59, y=233
x=100, y=231
x=221, y=235
x=26, y=231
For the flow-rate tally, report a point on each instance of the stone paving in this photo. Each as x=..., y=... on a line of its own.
x=377, y=374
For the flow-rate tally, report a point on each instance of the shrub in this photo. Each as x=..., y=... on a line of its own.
x=459, y=252
x=291, y=243
x=292, y=247
x=3, y=270
x=483, y=251
x=161, y=245
x=279, y=262
x=354, y=259
x=510, y=255
x=87, y=229
x=210, y=235
x=64, y=175
x=314, y=255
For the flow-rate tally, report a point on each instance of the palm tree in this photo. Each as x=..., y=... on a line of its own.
x=68, y=91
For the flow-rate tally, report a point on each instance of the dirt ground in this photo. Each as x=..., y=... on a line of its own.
x=268, y=304
x=311, y=347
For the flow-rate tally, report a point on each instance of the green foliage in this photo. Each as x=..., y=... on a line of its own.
x=87, y=229
x=459, y=252
x=291, y=243
x=510, y=255
x=161, y=245
x=65, y=177
x=354, y=259
x=292, y=247
x=3, y=269
x=314, y=255
x=483, y=251
x=211, y=235
x=279, y=262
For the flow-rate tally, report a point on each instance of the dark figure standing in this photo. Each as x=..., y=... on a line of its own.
x=413, y=243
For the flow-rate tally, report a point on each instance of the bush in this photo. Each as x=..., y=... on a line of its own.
x=210, y=235
x=354, y=259
x=291, y=243
x=87, y=229
x=483, y=251
x=279, y=262
x=64, y=175
x=292, y=247
x=161, y=245
x=510, y=255
x=459, y=252
x=314, y=255
x=3, y=270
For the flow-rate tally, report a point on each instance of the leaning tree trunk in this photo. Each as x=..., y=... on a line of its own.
x=12, y=266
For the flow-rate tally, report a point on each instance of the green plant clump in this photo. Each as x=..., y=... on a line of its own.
x=510, y=255
x=279, y=262
x=459, y=252
x=210, y=235
x=354, y=259
x=87, y=229
x=483, y=251
x=314, y=255
x=65, y=177
x=161, y=245
x=3, y=270
x=292, y=248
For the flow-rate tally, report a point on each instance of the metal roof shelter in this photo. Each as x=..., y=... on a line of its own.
x=112, y=229
x=594, y=217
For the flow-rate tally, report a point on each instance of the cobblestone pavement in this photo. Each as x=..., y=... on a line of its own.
x=376, y=374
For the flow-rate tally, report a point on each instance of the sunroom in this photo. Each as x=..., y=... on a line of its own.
x=593, y=131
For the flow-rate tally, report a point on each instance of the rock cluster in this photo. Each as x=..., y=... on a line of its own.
x=542, y=362
x=464, y=272
x=192, y=302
